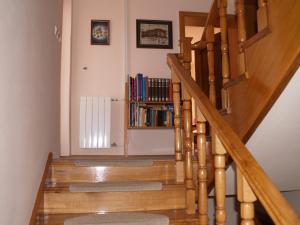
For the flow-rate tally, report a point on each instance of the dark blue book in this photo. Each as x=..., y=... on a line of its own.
x=140, y=86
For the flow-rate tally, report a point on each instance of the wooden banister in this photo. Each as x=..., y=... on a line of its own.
x=270, y=197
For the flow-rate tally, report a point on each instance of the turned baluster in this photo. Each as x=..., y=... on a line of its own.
x=246, y=197
x=188, y=138
x=220, y=180
x=210, y=40
x=177, y=128
x=262, y=16
x=202, y=170
x=222, y=5
x=186, y=58
x=240, y=12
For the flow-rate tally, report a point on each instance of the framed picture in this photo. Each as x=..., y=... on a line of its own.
x=100, y=32
x=154, y=34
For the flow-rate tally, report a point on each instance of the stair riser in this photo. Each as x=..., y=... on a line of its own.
x=66, y=202
x=72, y=173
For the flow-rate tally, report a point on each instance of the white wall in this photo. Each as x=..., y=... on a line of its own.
x=275, y=143
x=29, y=97
x=294, y=199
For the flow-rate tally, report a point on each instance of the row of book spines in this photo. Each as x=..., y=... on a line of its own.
x=153, y=119
x=149, y=117
x=150, y=89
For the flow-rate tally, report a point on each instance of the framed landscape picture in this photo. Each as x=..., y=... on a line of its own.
x=100, y=32
x=154, y=34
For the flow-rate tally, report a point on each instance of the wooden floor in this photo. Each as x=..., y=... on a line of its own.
x=177, y=217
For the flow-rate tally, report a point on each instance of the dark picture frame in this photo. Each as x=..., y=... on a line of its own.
x=100, y=32
x=154, y=34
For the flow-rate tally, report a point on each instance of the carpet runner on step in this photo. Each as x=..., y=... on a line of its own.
x=120, y=219
x=116, y=186
x=114, y=163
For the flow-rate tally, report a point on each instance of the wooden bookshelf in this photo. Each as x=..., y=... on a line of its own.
x=148, y=103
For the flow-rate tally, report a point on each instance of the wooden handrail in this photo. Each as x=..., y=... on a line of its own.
x=275, y=204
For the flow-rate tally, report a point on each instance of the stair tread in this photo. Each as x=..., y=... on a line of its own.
x=176, y=217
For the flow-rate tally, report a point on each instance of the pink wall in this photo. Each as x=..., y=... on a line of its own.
x=29, y=96
x=152, y=62
x=108, y=66
x=105, y=74
x=65, y=79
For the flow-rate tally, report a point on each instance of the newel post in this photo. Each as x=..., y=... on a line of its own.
x=177, y=128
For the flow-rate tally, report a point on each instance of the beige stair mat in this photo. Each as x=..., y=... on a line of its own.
x=116, y=186
x=120, y=219
x=115, y=163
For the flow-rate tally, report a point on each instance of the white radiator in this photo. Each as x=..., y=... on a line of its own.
x=95, y=122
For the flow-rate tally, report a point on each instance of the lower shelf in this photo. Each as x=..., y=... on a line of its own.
x=157, y=127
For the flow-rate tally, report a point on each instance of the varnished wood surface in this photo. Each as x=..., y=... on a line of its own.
x=177, y=217
x=202, y=169
x=187, y=141
x=220, y=180
x=67, y=171
x=210, y=39
x=177, y=119
x=271, y=62
x=261, y=34
x=63, y=201
x=261, y=184
x=235, y=81
x=212, y=19
x=39, y=201
x=190, y=19
x=246, y=198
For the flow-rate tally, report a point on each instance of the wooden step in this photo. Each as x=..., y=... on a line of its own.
x=59, y=199
x=177, y=217
x=63, y=171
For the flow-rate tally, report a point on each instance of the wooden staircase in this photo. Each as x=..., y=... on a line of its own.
x=60, y=204
x=250, y=85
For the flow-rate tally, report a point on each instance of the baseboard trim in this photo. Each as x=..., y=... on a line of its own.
x=37, y=208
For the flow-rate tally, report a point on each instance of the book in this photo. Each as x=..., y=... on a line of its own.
x=142, y=88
